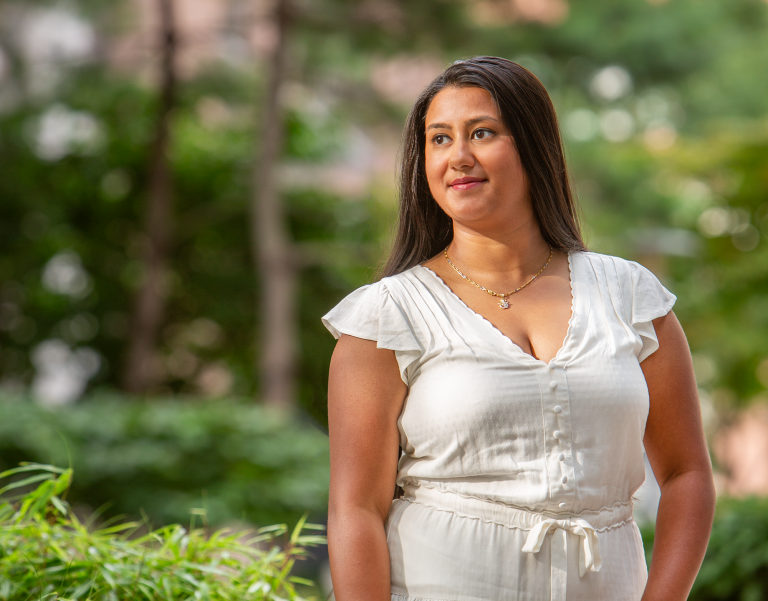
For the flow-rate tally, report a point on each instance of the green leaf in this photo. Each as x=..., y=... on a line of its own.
x=297, y=529
x=59, y=505
x=25, y=482
x=32, y=467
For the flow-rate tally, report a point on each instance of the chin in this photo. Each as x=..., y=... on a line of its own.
x=471, y=211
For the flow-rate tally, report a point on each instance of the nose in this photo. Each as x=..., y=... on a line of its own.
x=461, y=155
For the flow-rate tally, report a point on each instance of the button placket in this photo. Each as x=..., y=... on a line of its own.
x=557, y=398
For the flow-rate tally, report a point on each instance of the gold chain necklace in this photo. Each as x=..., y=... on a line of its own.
x=503, y=303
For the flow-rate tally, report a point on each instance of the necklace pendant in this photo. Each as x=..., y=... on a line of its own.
x=504, y=303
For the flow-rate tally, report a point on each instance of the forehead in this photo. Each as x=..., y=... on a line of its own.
x=460, y=104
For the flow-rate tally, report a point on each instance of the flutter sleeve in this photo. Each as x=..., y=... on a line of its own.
x=371, y=313
x=650, y=299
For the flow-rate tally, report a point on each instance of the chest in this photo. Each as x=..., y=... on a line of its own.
x=480, y=391
x=475, y=386
x=535, y=319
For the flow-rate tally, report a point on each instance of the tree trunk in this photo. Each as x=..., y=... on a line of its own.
x=149, y=305
x=276, y=269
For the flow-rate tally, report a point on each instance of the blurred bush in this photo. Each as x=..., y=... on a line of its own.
x=735, y=567
x=235, y=460
x=46, y=551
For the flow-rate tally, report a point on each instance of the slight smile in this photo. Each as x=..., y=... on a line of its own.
x=465, y=183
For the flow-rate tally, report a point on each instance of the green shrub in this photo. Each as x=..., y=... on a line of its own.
x=735, y=567
x=238, y=460
x=46, y=552
x=736, y=564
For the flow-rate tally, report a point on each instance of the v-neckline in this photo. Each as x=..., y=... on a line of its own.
x=507, y=339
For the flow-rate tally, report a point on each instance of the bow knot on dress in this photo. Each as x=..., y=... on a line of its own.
x=589, y=555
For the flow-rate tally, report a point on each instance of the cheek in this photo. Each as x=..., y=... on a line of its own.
x=507, y=170
x=435, y=171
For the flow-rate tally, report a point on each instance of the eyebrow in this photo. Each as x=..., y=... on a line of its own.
x=467, y=123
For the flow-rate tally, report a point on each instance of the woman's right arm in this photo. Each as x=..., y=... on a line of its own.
x=365, y=397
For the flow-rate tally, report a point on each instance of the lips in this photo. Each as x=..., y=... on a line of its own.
x=465, y=183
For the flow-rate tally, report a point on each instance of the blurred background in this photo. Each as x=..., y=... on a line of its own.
x=187, y=186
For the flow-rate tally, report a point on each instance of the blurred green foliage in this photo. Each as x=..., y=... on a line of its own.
x=235, y=460
x=735, y=567
x=46, y=551
x=90, y=206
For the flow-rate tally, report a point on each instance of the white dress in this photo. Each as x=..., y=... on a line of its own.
x=518, y=474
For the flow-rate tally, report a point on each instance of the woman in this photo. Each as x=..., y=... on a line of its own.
x=521, y=375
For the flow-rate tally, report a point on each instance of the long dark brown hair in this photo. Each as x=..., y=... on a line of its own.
x=526, y=109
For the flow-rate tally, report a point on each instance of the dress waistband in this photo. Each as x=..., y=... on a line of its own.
x=513, y=517
x=586, y=525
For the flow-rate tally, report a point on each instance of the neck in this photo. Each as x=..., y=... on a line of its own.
x=514, y=253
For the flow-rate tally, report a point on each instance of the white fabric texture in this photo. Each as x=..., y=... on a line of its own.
x=518, y=474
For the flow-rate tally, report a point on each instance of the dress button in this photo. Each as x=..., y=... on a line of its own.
x=557, y=409
x=561, y=457
x=557, y=433
x=563, y=505
x=565, y=479
x=553, y=384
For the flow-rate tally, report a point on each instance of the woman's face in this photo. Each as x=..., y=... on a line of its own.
x=473, y=169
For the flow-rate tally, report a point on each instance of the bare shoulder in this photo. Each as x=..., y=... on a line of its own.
x=673, y=348
x=364, y=384
x=435, y=263
x=359, y=359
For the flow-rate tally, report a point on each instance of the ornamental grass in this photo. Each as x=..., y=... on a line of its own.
x=46, y=552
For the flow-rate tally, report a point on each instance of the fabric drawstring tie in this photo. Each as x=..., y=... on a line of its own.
x=589, y=556
x=589, y=553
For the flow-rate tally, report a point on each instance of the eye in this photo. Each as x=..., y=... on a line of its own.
x=440, y=139
x=482, y=134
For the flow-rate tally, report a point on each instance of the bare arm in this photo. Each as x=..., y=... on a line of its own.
x=674, y=442
x=365, y=396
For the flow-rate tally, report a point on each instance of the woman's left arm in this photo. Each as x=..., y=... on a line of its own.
x=676, y=448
